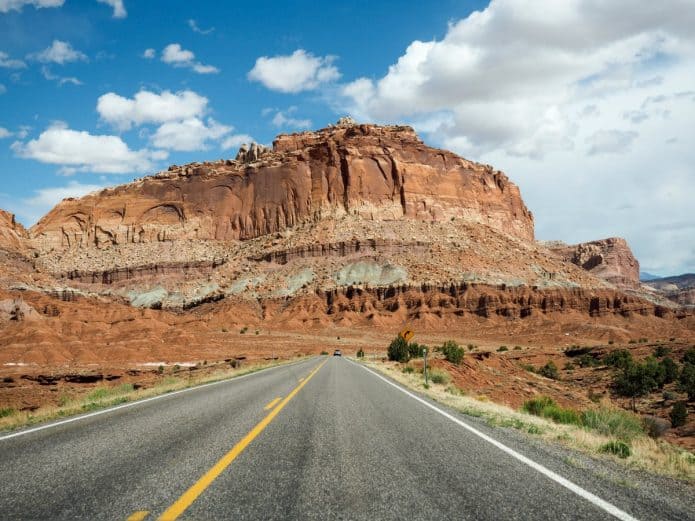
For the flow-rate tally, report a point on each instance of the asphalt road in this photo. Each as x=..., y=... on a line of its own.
x=321, y=439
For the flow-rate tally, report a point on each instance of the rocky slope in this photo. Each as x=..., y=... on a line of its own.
x=13, y=236
x=610, y=259
x=679, y=289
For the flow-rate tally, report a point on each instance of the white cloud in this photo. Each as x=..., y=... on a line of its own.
x=578, y=101
x=118, y=7
x=149, y=54
x=4, y=133
x=17, y=5
x=85, y=152
x=8, y=63
x=189, y=134
x=194, y=27
x=294, y=73
x=175, y=55
x=3, y=89
x=59, y=52
x=149, y=107
x=285, y=119
x=236, y=141
x=61, y=80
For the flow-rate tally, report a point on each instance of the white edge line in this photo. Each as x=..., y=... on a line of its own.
x=592, y=498
x=138, y=402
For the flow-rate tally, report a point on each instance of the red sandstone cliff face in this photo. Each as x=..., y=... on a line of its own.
x=610, y=259
x=13, y=236
x=382, y=173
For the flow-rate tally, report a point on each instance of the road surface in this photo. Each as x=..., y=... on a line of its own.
x=321, y=439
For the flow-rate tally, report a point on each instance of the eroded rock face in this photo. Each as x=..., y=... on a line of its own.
x=610, y=259
x=13, y=236
x=381, y=173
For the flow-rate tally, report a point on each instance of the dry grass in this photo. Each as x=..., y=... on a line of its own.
x=655, y=456
x=103, y=396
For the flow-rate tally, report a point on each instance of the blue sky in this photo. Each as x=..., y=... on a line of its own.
x=589, y=117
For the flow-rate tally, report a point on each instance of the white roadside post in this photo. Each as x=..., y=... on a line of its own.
x=424, y=355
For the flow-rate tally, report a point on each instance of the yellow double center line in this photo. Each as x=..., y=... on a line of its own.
x=188, y=497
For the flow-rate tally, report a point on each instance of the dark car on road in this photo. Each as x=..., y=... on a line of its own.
x=337, y=352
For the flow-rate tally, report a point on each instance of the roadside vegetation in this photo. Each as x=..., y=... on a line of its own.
x=104, y=396
x=604, y=429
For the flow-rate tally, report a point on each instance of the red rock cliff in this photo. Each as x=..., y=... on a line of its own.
x=377, y=172
x=13, y=236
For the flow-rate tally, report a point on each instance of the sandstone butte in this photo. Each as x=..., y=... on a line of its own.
x=354, y=228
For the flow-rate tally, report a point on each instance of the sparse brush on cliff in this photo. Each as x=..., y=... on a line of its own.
x=453, y=352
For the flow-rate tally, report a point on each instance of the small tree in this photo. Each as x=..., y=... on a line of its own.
x=620, y=358
x=687, y=380
x=452, y=352
x=398, y=350
x=670, y=370
x=679, y=414
x=635, y=380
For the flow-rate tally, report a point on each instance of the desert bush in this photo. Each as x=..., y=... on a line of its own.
x=686, y=381
x=471, y=347
x=160, y=369
x=611, y=342
x=415, y=350
x=660, y=351
x=324, y=352
x=452, y=352
x=517, y=348
x=617, y=448
x=437, y=376
x=408, y=369
x=679, y=414
x=360, y=353
x=620, y=358
x=669, y=395
x=528, y=367
x=398, y=350
x=546, y=407
x=586, y=360
x=501, y=349
x=670, y=369
x=636, y=380
x=568, y=366
x=549, y=370
x=6, y=411
x=689, y=356
x=244, y=330
x=613, y=422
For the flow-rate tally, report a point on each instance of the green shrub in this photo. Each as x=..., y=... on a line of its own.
x=679, y=414
x=661, y=351
x=398, y=350
x=586, y=360
x=471, y=347
x=244, y=330
x=452, y=352
x=613, y=422
x=617, y=448
x=437, y=376
x=668, y=395
x=360, y=353
x=686, y=382
x=501, y=349
x=620, y=358
x=689, y=356
x=632, y=342
x=415, y=350
x=160, y=369
x=6, y=411
x=408, y=369
x=637, y=380
x=643, y=340
x=517, y=348
x=528, y=367
x=535, y=406
x=176, y=368
x=324, y=352
x=670, y=369
x=611, y=342
x=568, y=366
x=549, y=370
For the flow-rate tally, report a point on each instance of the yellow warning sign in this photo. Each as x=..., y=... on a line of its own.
x=407, y=334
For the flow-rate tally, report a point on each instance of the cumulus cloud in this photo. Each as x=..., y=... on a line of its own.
x=4, y=133
x=150, y=107
x=149, y=53
x=175, y=55
x=552, y=92
x=294, y=73
x=194, y=27
x=236, y=141
x=118, y=7
x=80, y=151
x=8, y=63
x=59, y=52
x=189, y=134
x=17, y=5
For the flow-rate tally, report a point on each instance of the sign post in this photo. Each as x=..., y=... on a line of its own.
x=424, y=370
